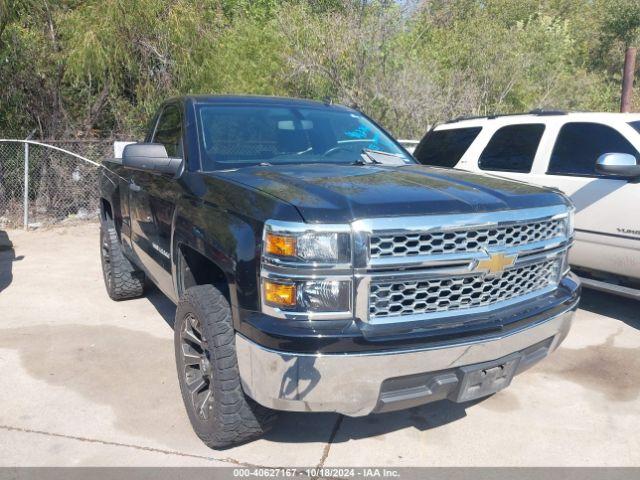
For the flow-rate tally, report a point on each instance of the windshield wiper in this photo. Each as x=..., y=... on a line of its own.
x=366, y=159
x=377, y=157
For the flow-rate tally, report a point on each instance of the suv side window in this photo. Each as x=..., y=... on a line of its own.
x=169, y=131
x=512, y=148
x=579, y=144
x=445, y=148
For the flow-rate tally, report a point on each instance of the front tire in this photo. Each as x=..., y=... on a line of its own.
x=219, y=411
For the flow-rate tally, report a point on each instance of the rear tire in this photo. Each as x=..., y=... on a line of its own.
x=122, y=279
x=219, y=411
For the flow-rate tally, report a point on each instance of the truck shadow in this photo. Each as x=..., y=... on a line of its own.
x=161, y=303
x=593, y=192
x=612, y=306
x=7, y=257
x=423, y=418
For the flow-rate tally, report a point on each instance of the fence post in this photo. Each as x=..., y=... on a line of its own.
x=25, y=197
x=627, y=79
x=26, y=187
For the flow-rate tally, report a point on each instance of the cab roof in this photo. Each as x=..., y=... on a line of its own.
x=538, y=116
x=257, y=100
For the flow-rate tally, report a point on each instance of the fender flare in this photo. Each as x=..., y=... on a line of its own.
x=199, y=238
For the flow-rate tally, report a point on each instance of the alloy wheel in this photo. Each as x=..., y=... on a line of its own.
x=197, y=366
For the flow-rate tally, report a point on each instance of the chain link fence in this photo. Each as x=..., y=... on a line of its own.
x=60, y=187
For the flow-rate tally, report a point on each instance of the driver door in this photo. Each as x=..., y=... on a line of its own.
x=152, y=202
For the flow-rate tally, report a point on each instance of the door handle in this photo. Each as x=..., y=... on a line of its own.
x=134, y=187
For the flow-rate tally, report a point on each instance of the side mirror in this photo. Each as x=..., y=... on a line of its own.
x=618, y=164
x=150, y=157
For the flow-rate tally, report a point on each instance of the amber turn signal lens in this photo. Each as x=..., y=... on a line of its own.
x=280, y=245
x=279, y=294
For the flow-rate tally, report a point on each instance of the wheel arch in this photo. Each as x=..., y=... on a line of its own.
x=204, y=254
x=226, y=241
x=194, y=267
x=106, y=210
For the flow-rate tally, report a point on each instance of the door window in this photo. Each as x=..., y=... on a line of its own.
x=169, y=131
x=512, y=148
x=579, y=144
x=445, y=148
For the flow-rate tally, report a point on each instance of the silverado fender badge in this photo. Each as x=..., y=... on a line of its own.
x=496, y=263
x=160, y=250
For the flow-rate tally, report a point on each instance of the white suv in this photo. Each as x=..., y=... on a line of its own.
x=592, y=157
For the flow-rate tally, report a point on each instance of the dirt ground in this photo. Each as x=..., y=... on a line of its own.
x=88, y=381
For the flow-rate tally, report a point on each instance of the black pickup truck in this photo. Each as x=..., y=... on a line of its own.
x=317, y=267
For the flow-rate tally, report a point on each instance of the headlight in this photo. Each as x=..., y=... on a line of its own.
x=308, y=295
x=307, y=271
x=294, y=243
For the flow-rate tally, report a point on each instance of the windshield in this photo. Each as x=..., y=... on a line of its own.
x=242, y=135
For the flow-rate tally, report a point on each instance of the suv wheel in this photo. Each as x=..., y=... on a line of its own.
x=219, y=411
x=120, y=277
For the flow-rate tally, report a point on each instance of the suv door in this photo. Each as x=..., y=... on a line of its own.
x=607, y=208
x=152, y=202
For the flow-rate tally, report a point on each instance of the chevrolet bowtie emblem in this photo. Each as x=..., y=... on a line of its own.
x=496, y=263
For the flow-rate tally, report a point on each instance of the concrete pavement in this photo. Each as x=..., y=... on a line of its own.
x=88, y=381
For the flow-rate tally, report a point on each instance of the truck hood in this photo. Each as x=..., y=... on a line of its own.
x=342, y=193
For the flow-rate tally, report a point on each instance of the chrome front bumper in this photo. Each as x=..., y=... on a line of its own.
x=357, y=384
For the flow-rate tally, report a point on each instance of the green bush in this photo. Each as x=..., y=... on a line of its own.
x=99, y=68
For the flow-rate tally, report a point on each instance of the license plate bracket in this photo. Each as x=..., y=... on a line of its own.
x=484, y=379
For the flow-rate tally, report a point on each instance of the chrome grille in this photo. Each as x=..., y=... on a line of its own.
x=465, y=240
x=392, y=299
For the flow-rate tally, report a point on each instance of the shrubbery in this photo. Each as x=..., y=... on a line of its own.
x=87, y=68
